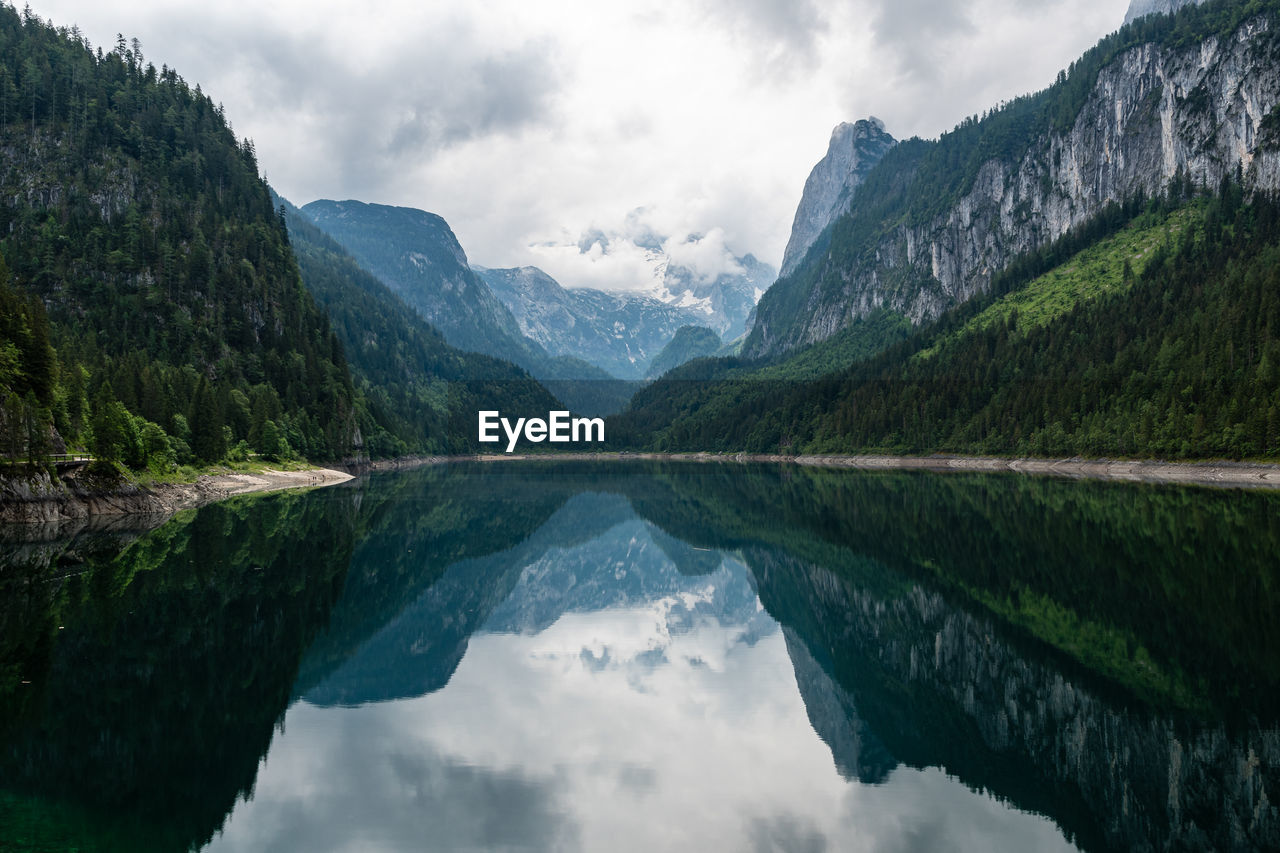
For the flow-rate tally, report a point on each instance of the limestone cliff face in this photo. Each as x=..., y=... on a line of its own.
x=853, y=150
x=1154, y=111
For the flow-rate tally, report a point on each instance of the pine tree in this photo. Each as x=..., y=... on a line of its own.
x=208, y=442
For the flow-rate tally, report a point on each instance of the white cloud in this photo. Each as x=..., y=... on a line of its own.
x=522, y=123
x=706, y=255
x=633, y=254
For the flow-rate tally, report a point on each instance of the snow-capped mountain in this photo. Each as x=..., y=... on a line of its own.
x=617, y=331
x=722, y=303
x=697, y=272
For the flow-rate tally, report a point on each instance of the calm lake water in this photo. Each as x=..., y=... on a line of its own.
x=551, y=656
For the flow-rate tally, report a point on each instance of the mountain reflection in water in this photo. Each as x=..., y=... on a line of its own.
x=554, y=656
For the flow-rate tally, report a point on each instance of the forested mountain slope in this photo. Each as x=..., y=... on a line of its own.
x=416, y=254
x=689, y=342
x=136, y=221
x=1152, y=338
x=1191, y=96
x=416, y=393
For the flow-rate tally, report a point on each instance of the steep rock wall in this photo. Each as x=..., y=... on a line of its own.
x=1153, y=112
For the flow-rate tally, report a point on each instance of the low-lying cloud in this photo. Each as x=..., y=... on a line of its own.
x=634, y=253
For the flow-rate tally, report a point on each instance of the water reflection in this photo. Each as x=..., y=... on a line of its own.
x=673, y=657
x=608, y=702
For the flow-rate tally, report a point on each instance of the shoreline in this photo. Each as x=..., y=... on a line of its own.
x=209, y=488
x=37, y=499
x=1223, y=474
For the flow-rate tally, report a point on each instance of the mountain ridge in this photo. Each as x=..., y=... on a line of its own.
x=618, y=331
x=1167, y=96
x=853, y=151
x=416, y=254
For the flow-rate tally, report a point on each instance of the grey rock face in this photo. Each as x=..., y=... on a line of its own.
x=1139, y=8
x=853, y=150
x=1154, y=111
x=618, y=332
x=725, y=303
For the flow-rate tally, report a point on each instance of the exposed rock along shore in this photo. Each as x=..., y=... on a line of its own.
x=1230, y=474
x=37, y=498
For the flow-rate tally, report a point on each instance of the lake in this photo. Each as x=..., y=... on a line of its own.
x=645, y=656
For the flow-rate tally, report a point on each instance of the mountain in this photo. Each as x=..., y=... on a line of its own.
x=1143, y=335
x=690, y=342
x=619, y=332
x=1145, y=330
x=417, y=256
x=854, y=149
x=163, y=311
x=1139, y=8
x=1187, y=96
x=417, y=394
x=723, y=302
x=697, y=272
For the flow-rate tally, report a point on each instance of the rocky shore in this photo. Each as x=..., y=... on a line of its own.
x=1226, y=474
x=37, y=498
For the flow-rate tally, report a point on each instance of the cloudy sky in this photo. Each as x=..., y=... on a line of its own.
x=527, y=124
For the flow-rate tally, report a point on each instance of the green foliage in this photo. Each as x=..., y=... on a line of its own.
x=134, y=214
x=416, y=393
x=1106, y=267
x=858, y=341
x=689, y=342
x=1180, y=362
x=918, y=181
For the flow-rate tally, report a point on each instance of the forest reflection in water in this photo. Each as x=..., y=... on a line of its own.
x=560, y=656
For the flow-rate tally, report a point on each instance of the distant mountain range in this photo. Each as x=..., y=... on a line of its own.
x=562, y=336
x=416, y=254
x=720, y=287
x=618, y=331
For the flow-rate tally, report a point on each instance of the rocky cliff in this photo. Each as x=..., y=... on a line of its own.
x=854, y=149
x=1164, y=107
